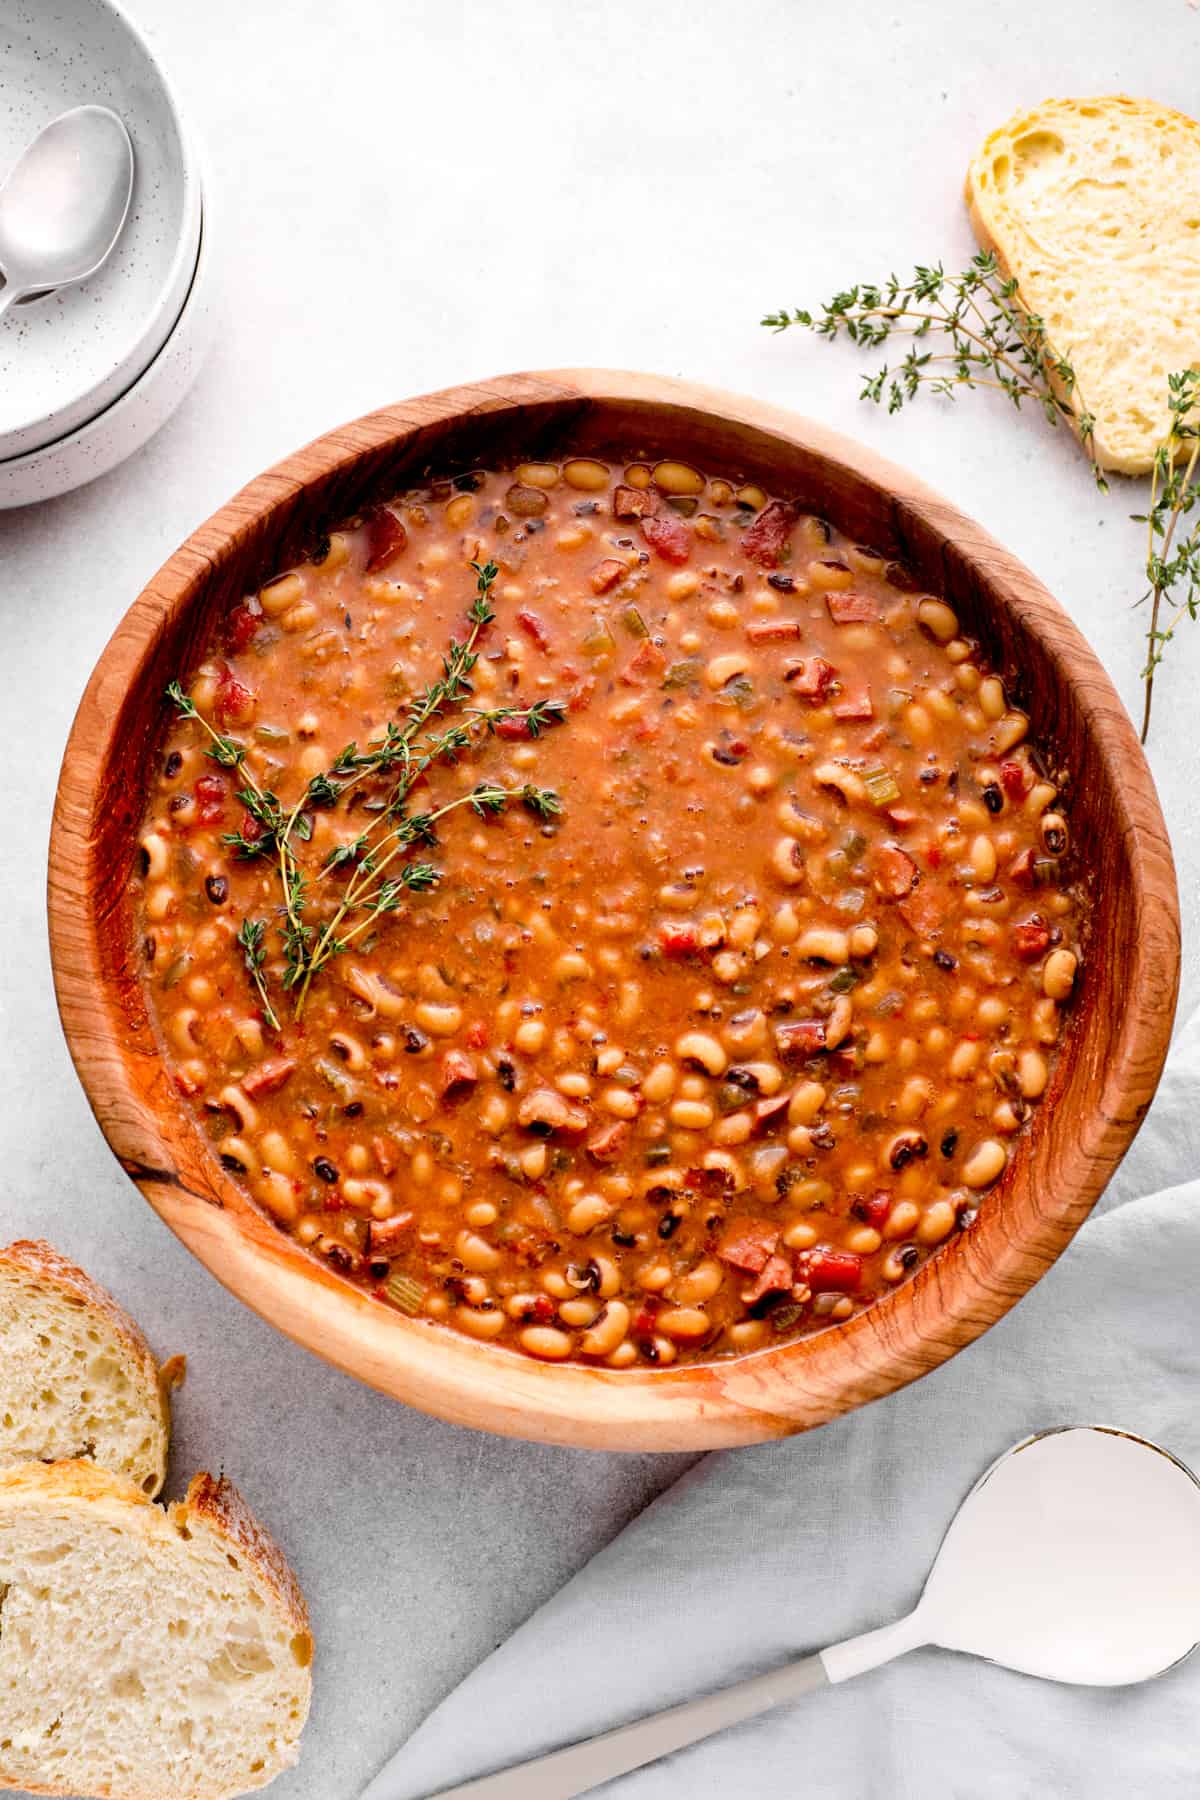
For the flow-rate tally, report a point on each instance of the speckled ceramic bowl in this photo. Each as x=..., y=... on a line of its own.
x=68, y=358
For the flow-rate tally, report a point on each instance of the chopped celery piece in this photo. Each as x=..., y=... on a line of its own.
x=406, y=1293
x=881, y=786
x=634, y=623
x=271, y=734
x=683, y=674
x=598, y=641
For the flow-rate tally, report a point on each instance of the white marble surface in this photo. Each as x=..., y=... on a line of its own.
x=409, y=196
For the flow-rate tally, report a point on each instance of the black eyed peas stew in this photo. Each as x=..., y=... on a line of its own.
x=606, y=912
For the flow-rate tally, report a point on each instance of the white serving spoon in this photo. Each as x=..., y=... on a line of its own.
x=63, y=206
x=1075, y=1557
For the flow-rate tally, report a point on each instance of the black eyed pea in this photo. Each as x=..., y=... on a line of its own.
x=478, y=1324
x=609, y=1283
x=824, y=944
x=684, y=1322
x=587, y=1214
x=937, y=1222
x=678, y=479
x=985, y=1163
x=584, y=473
x=547, y=1342
x=700, y=1048
x=938, y=619
x=698, y=1285
x=864, y=941
x=578, y=1312
x=841, y=1017
x=787, y=861
x=475, y=1253
x=1058, y=974
x=1032, y=1074
x=606, y=1331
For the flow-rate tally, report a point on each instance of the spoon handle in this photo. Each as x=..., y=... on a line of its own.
x=9, y=296
x=565, y=1773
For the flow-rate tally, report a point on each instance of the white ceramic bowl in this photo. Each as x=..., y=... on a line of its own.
x=64, y=360
x=99, y=445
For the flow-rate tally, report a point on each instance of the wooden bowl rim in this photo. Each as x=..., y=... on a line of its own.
x=770, y=1393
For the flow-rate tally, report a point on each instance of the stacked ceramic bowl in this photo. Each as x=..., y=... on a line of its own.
x=89, y=373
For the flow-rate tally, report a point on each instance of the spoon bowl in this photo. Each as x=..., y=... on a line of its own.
x=64, y=205
x=1075, y=1557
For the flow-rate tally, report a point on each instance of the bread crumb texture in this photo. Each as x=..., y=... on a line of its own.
x=144, y=1652
x=1094, y=207
x=77, y=1378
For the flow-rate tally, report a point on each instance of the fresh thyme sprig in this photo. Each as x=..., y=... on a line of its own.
x=1172, y=553
x=968, y=331
x=251, y=937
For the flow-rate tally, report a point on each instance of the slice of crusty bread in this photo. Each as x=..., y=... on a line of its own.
x=76, y=1375
x=145, y=1654
x=1094, y=207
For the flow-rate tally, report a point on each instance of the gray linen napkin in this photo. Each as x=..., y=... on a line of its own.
x=757, y=1556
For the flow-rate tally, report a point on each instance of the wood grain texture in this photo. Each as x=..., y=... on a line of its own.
x=1121, y=1019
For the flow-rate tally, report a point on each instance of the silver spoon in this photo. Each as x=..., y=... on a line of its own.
x=1075, y=1557
x=64, y=204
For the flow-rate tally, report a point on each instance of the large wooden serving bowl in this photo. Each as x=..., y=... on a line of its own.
x=1120, y=1023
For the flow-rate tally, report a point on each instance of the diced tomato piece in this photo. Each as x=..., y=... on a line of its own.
x=269, y=1077
x=210, y=794
x=609, y=1143
x=668, y=537
x=1031, y=938
x=580, y=696
x=812, y=678
x=234, y=703
x=385, y=1236
x=645, y=1318
x=749, y=1244
x=535, y=628
x=381, y=1150
x=1015, y=779
x=854, y=706
x=933, y=855
x=800, y=1038
x=922, y=912
x=386, y=538
x=771, y=631
x=678, y=938
x=251, y=829
x=1021, y=869
x=846, y=1062
x=459, y=1071
x=849, y=608
x=646, y=664
x=542, y=1310
x=477, y=1036
x=825, y=1271
x=895, y=872
x=766, y=538
x=516, y=730
x=606, y=574
x=874, y=1209
x=633, y=503
x=242, y=624
x=776, y=1278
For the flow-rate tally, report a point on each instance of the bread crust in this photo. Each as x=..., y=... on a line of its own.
x=1000, y=229
x=38, y=1264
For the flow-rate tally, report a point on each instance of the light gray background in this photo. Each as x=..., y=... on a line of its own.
x=410, y=195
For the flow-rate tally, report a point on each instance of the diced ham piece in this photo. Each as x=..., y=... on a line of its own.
x=854, y=706
x=776, y=1278
x=874, y=1209
x=516, y=730
x=609, y=1143
x=769, y=1112
x=774, y=631
x=895, y=872
x=386, y=538
x=849, y=608
x=668, y=537
x=646, y=664
x=545, y=1111
x=1031, y=938
x=1021, y=870
x=922, y=912
x=385, y=1236
x=459, y=1071
x=606, y=574
x=580, y=696
x=749, y=1244
x=633, y=503
x=800, y=1038
x=812, y=678
x=269, y=1077
x=766, y=538
x=535, y=628
x=476, y=1035
x=825, y=1271
x=901, y=817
